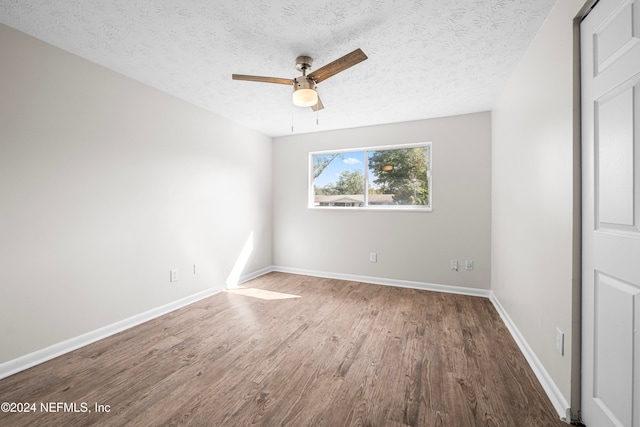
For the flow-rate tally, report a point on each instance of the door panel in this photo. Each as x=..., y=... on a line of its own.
x=614, y=160
x=616, y=318
x=618, y=34
x=611, y=214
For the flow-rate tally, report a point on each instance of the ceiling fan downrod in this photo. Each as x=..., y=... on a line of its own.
x=303, y=63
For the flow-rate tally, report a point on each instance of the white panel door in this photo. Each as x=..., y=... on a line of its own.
x=610, y=48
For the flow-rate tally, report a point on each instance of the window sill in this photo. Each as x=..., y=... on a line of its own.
x=372, y=208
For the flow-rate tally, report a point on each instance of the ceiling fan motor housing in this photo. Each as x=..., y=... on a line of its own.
x=304, y=63
x=303, y=82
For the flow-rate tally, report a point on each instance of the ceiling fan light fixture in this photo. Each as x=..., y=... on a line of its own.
x=304, y=92
x=305, y=97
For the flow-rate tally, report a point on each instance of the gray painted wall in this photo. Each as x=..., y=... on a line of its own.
x=413, y=246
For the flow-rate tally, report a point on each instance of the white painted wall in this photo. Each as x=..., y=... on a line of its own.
x=106, y=185
x=535, y=197
x=413, y=246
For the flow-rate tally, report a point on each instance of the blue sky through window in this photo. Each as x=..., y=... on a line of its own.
x=348, y=161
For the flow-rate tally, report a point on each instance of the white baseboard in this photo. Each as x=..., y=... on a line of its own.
x=24, y=362
x=39, y=356
x=27, y=361
x=255, y=274
x=553, y=392
x=388, y=282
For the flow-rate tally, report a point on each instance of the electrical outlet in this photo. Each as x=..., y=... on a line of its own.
x=560, y=342
x=173, y=275
x=373, y=257
x=454, y=264
x=468, y=265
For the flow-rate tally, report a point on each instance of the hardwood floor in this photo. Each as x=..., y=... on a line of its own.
x=338, y=354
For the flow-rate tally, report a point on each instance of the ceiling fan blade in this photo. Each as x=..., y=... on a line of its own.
x=340, y=64
x=319, y=106
x=277, y=80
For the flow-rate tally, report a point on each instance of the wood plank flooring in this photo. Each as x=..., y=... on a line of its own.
x=338, y=354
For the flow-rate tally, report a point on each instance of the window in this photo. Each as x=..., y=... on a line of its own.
x=397, y=177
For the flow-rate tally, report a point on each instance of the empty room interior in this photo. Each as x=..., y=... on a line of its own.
x=184, y=243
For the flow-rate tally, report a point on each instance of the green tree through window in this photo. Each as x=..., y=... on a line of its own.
x=402, y=173
x=349, y=182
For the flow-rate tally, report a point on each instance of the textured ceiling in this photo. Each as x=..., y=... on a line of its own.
x=427, y=58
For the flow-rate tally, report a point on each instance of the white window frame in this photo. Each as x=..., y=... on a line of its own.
x=395, y=208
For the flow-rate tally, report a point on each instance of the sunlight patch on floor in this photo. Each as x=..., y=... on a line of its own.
x=260, y=293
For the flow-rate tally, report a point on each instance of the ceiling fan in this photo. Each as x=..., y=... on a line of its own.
x=305, y=86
